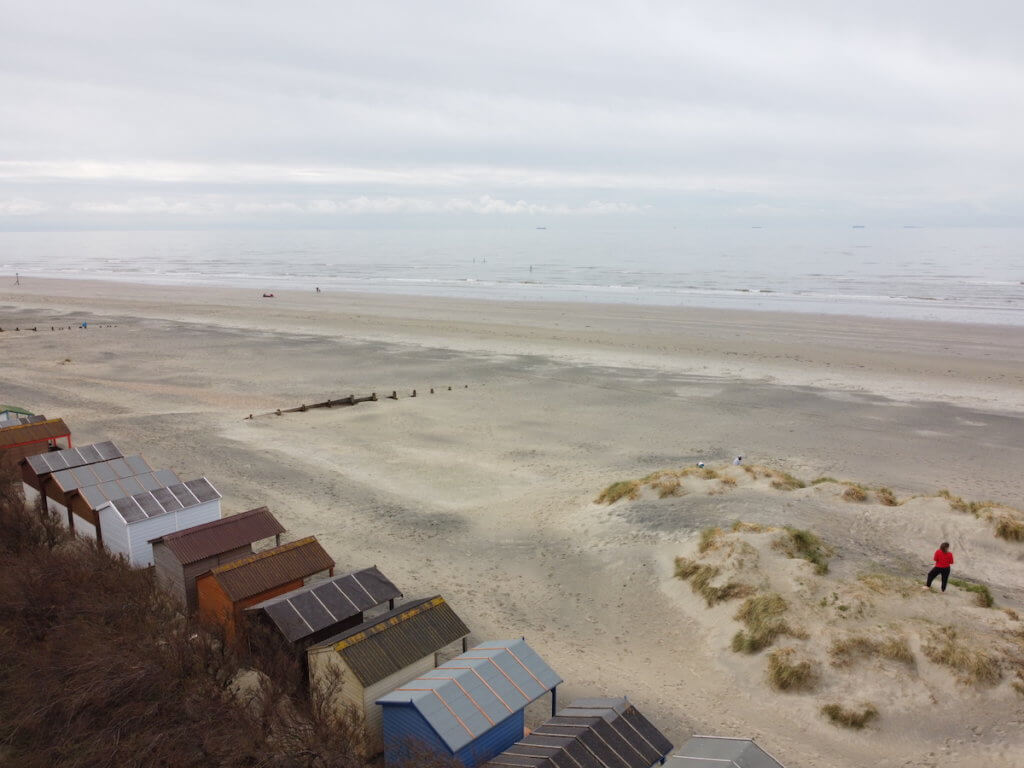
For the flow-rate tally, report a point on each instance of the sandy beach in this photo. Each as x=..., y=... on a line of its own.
x=485, y=492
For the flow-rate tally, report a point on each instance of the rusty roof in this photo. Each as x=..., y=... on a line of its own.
x=254, y=574
x=202, y=541
x=394, y=640
x=35, y=432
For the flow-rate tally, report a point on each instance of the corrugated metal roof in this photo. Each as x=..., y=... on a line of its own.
x=394, y=640
x=115, y=479
x=162, y=501
x=53, y=461
x=599, y=733
x=467, y=696
x=202, y=541
x=17, y=421
x=317, y=606
x=721, y=752
x=252, y=575
x=33, y=433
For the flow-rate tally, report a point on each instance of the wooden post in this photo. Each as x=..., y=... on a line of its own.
x=431, y=390
x=414, y=393
x=394, y=394
x=373, y=396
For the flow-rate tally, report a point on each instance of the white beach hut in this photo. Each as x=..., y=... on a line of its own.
x=130, y=523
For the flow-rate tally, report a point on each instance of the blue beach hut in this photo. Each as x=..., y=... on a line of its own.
x=471, y=707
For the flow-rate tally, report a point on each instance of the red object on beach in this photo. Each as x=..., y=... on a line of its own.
x=268, y=295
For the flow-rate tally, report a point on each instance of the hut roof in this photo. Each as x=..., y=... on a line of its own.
x=721, y=752
x=32, y=432
x=113, y=479
x=313, y=607
x=53, y=461
x=17, y=421
x=600, y=733
x=163, y=501
x=15, y=409
x=477, y=690
x=394, y=640
x=258, y=573
x=202, y=541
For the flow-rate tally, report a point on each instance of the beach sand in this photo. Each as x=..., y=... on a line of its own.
x=484, y=493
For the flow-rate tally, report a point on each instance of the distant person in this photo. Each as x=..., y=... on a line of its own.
x=943, y=560
x=737, y=461
x=700, y=465
x=318, y=289
x=85, y=325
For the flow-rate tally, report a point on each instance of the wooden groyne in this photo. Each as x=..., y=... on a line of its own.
x=341, y=402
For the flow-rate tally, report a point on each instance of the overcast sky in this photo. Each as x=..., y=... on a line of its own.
x=124, y=114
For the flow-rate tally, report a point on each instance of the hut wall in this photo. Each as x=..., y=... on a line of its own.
x=215, y=607
x=372, y=711
x=180, y=580
x=142, y=532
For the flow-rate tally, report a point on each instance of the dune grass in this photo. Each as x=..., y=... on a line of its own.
x=788, y=672
x=846, y=650
x=762, y=616
x=823, y=479
x=709, y=539
x=628, y=489
x=700, y=577
x=850, y=718
x=739, y=526
x=982, y=594
x=888, y=583
x=975, y=665
x=1006, y=521
x=855, y=493
x=783, y=481
x=1009, y=528
x=887, y=497
x=797, y=542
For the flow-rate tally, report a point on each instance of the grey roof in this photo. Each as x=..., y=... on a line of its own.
x=53, y=461
x=109, y=480
x=467, y=696
x=721, y=752
x=101, y=472
x=597, y=733
x=317, y=606
x=162, y=501
x=17, y=421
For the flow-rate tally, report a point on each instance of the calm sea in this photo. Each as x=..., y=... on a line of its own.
x=961, y=275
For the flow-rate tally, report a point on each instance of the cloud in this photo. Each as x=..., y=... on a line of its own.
x=484, y=205
x=149, y=206
x=21, y=206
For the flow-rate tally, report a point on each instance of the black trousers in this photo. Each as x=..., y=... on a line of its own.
x=937, y=571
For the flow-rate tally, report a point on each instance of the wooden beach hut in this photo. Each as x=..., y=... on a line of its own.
x=227, y=590
x=180, y=557
x=598, y=733
x=30, y=435
x=719, y=752
x=37, y=470
x=382, y=653
x=323, y=608
x=470, y=708
x=129, y=523
x=13, y=413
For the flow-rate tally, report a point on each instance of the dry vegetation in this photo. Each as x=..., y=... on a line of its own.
x=805, y=545
x=788, y=671
x=100, y=669
x=762, y=617
x=973, y=664
x=846, y=650
x=700, y=578
x=1006, y=521
x=850, y=718
x=982, y=594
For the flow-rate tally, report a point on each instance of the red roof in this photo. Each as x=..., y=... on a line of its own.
x=36, y=432
x=260, y=573
x=199, y=542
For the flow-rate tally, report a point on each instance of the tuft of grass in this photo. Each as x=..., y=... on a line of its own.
x=1014, y=616
x=849, y=718
x=823, y=479
x=797, y=542
x=762, y=615
x=1009, y=528
x=709, y=539
x=628, y=489
x=982, y=595
x=741, y=527
x=887, y=583
x=973, y=665
x=788, y=673
x=855, y=493
x=728, y=481
x=887, y=497
x=700, y=578
x=707, y=473
x=846, y=650
x=784, y=481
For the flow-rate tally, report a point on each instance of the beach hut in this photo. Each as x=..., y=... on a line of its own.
x=227, y=590
x=721, y=752
x=79, y=491
x=37, y=470
x=379, y=655
x=31, y=435
x=180, y=557
x=470, y=708
x=13, y=413
x=129, y=523
x=316, y=611
x=598, y=733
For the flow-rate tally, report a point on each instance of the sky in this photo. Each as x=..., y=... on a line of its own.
x=126, y=114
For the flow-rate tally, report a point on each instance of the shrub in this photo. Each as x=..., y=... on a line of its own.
x=982, y=595
x=887, y=497
x=855, y=493
x=848, y=718
x=974, y=665
x=762, y=617
x=788, y=673
x=801, y=543
x=622, y=489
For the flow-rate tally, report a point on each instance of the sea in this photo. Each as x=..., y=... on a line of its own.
x=964, y=275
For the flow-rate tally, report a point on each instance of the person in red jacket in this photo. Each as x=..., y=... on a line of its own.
x=943, y=560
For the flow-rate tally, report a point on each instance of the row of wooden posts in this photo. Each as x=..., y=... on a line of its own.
x=341, y=402
x=35, y=328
